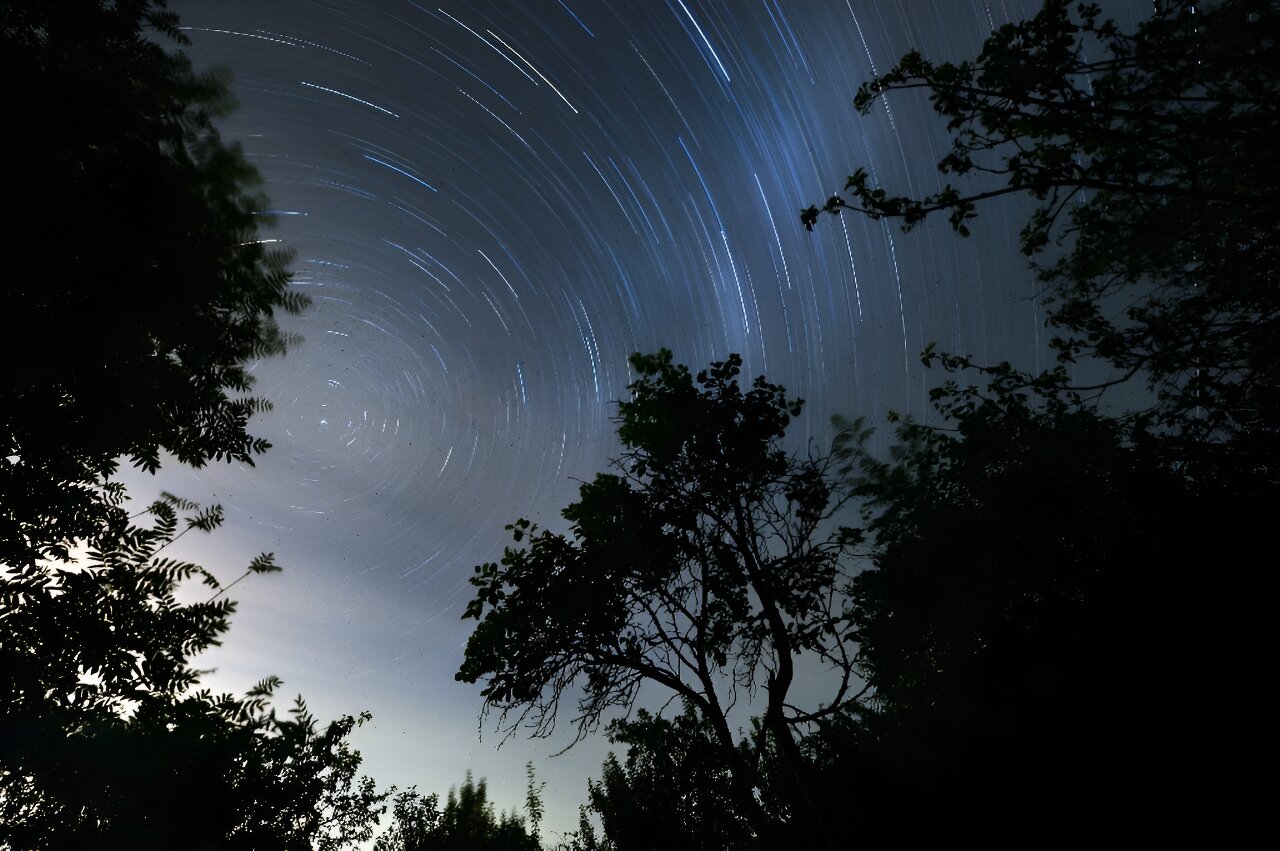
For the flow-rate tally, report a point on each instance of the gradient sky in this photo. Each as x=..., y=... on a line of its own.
x=493, y=204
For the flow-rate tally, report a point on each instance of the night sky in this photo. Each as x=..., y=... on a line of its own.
x=493, y=204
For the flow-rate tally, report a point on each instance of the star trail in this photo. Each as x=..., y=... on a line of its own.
x=492, y=205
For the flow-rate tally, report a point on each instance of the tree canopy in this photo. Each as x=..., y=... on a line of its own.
x=708, y=564
x=1045, y=575
x=466, y=822
x=140, y=290
x=1057, y=611
x=1039, y=582
x=139, y=294
x=672, y=789
x=1151, y=158
x=106, y=738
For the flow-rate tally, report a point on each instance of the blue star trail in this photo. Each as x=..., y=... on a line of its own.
x=492, y=204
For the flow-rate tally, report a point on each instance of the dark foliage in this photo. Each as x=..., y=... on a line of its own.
x=106, y=741
x=1041, y=582
x=707, y=565
x=674, y=789
x=467, y=822
x=138, y=291
x=1151, y=156
x=138, y=294
x=1052, y=588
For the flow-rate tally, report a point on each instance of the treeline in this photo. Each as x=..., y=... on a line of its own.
x=1037, y=618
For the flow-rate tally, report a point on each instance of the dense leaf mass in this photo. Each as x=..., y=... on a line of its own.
x=139, y=291
x=138, y=295
x=107, y=739
x=639, y=805
x=466, y=822
x=1151, y=158
x=1040, y=581
x=1058, y=626
x=708, y=564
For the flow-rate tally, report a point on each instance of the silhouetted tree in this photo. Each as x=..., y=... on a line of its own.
x=415, y=818
x=1044, y=581
x=708, y=564
x=674, y=789
x=1044, y=576
x=467, y=822
x=1023, y=582
x=106, y=741
x=1151, y=157
x=138, y=290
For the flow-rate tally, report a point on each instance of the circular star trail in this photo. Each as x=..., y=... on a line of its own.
x=492, y=205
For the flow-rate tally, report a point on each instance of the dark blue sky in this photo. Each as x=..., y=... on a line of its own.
x=492, y=205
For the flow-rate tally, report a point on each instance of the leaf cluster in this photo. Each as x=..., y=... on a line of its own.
x=707, y=553
x=707, y=563
x=466, y=821
x=641, y=805
x=107, y=739
x=139, y=296
x=1150, y=157
x=140, y=291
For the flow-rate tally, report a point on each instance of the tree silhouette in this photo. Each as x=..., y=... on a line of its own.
x=673, y=789
x=1060, y=627
x=1151, y=158
x=106, y=740
x=139, y=293
x=1035, y=573
x=708, y=564
x=466, y=822
x=1045, y=576
x=139, y=290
